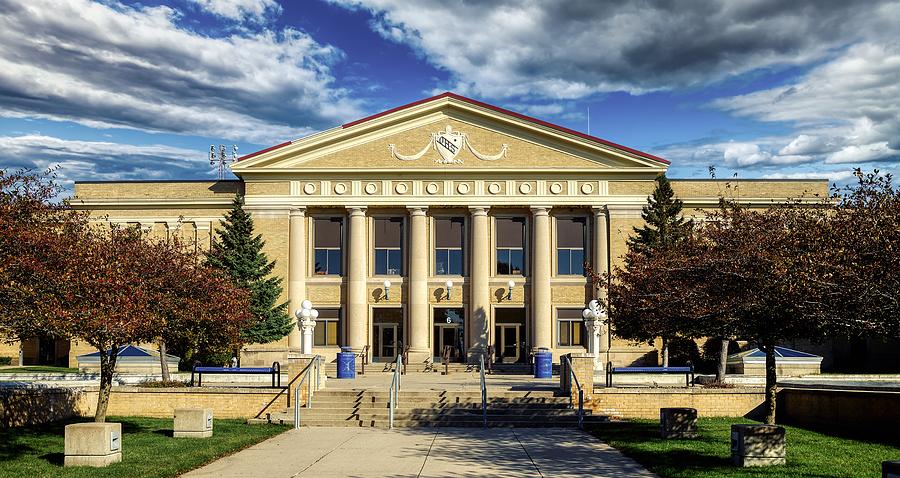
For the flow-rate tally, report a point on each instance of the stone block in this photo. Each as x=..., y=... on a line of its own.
x=93, y=444
x=678, y=422
x=757, y=445
x=193, y=423
x=890, y=469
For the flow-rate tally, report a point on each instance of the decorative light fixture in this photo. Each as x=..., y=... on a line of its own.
x=306, y=320
x=449, y=286
x=510, y=284
x=387, y=289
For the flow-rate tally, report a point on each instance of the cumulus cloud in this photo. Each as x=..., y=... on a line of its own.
x=111, y=65
x=240, y=10
x=577, y=48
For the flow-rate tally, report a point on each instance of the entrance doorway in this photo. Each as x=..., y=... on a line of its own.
x=449, y=331
x=387, y=334
x=510, y=338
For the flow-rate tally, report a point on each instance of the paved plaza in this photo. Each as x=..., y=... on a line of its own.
x=444, y=452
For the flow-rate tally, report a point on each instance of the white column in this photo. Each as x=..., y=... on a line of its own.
x=296, y=271
x=357, y=272
x=479, y=287
x=601, y=266
x=541, y=309
x=419, y=323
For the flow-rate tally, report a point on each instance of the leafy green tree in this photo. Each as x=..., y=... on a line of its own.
x=240, y=254
x=664, y=228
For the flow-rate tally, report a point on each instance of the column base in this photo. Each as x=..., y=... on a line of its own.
x=419, y=360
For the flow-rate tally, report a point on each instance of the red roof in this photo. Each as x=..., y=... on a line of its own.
x=490, y=107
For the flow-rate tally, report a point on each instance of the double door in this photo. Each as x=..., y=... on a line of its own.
x=510, y=343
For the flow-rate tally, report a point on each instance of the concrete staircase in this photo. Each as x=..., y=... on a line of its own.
x=435, y=408
x=382, y=367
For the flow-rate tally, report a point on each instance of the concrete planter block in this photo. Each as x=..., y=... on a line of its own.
x=93, y=444
x=757, y=445
x=193, y=423
x=890, y=469
x=678, y=422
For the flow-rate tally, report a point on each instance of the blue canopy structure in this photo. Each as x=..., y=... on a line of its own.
x=129, y=358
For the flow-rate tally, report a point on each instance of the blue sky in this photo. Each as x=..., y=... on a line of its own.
x=758, y=89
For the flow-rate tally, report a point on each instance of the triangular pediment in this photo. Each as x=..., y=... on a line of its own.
x=453, y=134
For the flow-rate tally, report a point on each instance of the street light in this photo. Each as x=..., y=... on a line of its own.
x=387, y=289
x=306, y=319
x=594, y=320
x=449, y=286
x=510, y=286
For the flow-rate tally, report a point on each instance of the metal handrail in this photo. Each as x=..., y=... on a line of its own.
x=574, y=378
x=483, y=392
x=394, y=392
x=315, y=365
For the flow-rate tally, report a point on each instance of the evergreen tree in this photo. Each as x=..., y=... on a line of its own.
x=664, y=227
x=239, y=253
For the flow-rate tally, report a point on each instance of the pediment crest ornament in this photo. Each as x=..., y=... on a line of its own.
x=448, y=144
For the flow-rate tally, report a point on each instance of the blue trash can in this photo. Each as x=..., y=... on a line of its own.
x=543, y=364
x=346, y=363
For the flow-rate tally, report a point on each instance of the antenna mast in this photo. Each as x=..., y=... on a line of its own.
x=220, y=160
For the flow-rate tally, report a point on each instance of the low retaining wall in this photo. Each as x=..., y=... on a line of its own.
x=868, y=411
x=34, y=406
x=646, y=402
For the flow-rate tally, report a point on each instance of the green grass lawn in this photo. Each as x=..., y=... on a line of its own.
x=809, y=453
x=38, y=369
x=148, y=449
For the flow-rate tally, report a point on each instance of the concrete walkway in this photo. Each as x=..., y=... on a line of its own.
x=442, y=452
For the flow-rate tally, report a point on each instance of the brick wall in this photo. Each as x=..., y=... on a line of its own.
x=646, y=402
x=25, y=407
x=872, y=412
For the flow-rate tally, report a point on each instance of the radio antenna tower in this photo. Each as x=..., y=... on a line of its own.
x=220, y=159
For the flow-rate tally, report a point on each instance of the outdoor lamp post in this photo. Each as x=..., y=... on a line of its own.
x=449, y=286
x=387, y=289
x=510, y=286
x=306, y=319
x=594, y=320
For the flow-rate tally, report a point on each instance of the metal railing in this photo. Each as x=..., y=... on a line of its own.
x=574, y=380
x=314, y=366
x=394, y=393
x=483, y=392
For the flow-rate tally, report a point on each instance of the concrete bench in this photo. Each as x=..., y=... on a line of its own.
x=688, y=372
x=274, y=371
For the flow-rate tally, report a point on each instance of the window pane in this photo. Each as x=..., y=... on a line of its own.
x=331, y=332
x=570, y=232
x=502, y=261
x=577, y=338
x=319, y=335
x=577, y=263
x=388, y=232
x=516, y=263
x=562, y=262
x=395, y=262
x=448, y=232
x=456, y=261
x=510, y=232
x=334, y=261
x=440, y=262
x=321, y=261
x=563, y=332
x=381, y=261
x=328, y=232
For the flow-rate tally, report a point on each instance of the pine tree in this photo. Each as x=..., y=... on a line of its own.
x=239, y=252
x=663, y=227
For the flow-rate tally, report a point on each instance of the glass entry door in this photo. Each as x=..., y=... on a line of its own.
x=449, y=331
x=509, y=339
x=385, y=346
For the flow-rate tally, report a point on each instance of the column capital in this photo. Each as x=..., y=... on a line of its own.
x=599, y=210
x=478, y=210
x=298, y=211
x=540, y=210
x=417, y=210
x=356, y=210
x=202, y=226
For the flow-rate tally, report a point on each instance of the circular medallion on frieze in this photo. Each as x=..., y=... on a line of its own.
x=525, y=188
x=432, y=188
x=556, y=188
x=371, y=188
x=463, y=188
x=309, y=188
x=401, y=188
x=587, y=188
x=494, y=188
x=340, y=188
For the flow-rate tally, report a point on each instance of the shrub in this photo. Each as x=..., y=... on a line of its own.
x=5, y=360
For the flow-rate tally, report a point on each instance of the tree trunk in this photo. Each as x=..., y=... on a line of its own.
x=665, y=352
x=771, y=380
x=723, y=360
x=163, y=364
x=107, y=367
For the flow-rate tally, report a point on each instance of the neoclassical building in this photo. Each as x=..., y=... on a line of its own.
x=444, y=222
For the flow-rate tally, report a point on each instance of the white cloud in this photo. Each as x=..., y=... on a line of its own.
x=240, y=10
x=576, y=48
x=832, y=176
x=111, y=65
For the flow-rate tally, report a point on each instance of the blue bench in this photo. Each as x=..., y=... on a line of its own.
x=688, y=372
x=274, y=371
